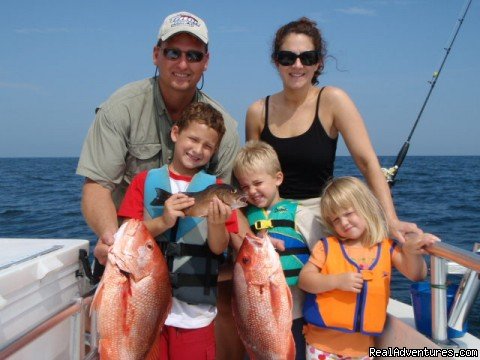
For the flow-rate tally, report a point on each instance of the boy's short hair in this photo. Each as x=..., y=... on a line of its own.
x=205, y=114
x=254, y=156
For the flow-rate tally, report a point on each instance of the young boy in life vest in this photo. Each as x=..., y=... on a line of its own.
x=257, y=170
x=350, y=272
x=193, y=246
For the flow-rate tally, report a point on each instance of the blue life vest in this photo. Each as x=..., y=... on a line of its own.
x=193, y=267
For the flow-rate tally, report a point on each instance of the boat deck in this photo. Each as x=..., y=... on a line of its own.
x=400, y=331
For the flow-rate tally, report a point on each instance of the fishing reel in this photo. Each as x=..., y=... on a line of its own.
x=390, y=174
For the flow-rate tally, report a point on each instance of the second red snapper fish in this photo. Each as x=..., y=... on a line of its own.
x=134, y=297
x=262, y=302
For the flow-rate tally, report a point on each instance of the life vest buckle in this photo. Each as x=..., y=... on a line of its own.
x=263, y=224
x=367, y=274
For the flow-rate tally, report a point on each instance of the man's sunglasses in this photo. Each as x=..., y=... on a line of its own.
x=307, y=58
x=193, y=56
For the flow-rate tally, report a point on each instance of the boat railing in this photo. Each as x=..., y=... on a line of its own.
x=78, y=311
x=440, y=253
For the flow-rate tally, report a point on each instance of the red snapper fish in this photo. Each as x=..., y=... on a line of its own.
x=262, y=302
x=134, y=297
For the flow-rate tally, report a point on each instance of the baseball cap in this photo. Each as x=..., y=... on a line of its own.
x=183, y=21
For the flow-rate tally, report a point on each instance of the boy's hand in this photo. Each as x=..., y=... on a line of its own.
x=351, y=281
x=174, y=206
x=218, y=212
x=414, y=243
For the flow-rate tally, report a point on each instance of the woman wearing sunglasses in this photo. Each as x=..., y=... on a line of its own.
x=303, y=121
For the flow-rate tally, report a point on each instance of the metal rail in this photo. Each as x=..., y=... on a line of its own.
x=465, y=258
x=440, y=252
x=74, y=309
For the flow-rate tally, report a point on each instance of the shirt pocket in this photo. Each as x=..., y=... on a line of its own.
x=142, y=157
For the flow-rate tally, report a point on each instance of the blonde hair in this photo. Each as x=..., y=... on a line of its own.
x=254, y=156
x=345, y=192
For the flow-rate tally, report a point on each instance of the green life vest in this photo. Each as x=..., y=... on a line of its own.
x=280, y=224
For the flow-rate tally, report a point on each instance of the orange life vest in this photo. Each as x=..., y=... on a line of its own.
x=345, y=310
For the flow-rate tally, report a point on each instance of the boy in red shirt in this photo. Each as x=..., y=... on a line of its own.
x=193, y=245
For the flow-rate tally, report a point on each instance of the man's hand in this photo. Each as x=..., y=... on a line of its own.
x=102, y=247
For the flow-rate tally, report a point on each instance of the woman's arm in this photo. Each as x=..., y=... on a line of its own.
x=349, y=123
x=255, y=120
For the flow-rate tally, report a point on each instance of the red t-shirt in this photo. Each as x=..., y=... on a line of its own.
x=132, y=204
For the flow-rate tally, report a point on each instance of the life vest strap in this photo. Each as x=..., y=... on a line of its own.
x=291, y=272
x=174, y=249
x=270, y=224
x=199, y=280
x=295, y=251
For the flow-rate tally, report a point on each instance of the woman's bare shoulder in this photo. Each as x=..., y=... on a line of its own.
x=334, y=94
x=256, y=107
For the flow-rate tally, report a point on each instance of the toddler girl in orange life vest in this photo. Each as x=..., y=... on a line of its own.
x=348, y=274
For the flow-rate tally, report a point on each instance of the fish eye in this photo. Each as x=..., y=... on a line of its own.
x=246, y=260
x=149, y=246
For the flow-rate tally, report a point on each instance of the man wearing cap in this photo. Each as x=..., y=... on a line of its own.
x=131, y=130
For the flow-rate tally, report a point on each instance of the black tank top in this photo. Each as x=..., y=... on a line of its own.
x=307, y=160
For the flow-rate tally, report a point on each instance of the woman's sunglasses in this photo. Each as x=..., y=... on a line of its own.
x=193, y=56
x=307, y=58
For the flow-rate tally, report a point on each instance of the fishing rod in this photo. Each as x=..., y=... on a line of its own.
x=392, y=172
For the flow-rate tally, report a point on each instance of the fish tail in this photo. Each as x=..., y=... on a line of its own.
x=105, y=350
x=155, y=351
x=291, y=349
x=162, y=196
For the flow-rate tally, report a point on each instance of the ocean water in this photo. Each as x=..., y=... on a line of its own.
x=40, y=198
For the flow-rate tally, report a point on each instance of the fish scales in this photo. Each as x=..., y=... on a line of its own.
x=134, y=297
x=262, y=302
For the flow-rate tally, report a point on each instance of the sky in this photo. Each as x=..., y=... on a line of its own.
x=60, y=59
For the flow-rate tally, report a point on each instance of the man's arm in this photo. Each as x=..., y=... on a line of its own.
x=100, y=214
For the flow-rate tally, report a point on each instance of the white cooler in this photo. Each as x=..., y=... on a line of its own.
x=38, y=279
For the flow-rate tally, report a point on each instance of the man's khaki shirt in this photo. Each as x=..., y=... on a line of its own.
x=131, y=133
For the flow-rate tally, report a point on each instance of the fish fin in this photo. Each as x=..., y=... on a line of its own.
x=291, y=349
x=104, y=349
x=97, y=298
x=162, y=196
x=278, y=292
x=155, y=351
